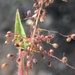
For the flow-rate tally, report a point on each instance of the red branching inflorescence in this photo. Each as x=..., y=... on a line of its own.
x=36, y=39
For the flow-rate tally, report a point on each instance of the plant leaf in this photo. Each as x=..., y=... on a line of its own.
x=19, y=28
x=18, y=25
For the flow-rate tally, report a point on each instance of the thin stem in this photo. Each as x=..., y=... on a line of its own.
x=55, y=32
x=59, y=33
x=70, y=66
x=61, y=61
x=36, y=23
x=26, y=71
x=20, y=64
x=56, y=58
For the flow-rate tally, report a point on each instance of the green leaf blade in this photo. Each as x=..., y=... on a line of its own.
x=18, y=25
x=19, y=28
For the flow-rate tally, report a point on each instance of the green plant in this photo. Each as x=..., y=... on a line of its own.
x=29, y=46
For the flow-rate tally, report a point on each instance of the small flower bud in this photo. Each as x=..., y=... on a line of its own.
x=15, y=36
x=42, y=36
x=64, y=59
x=38, y=45
x=4, y=65
x=50, y=36
x=47, y=4
x=18, y=60
x=7, y=41
x=22, y=49
x=72, y=36
x=55, y=45
x=28, y=57
x=46, y=37
x=40, y=2
x=48, y=41
x=9, y=33
x=16, y=45
x=21, y=44
x=6, y=36
x=35, y=5
x=10, y=55
x=40, y=48
x=49, y=63
x=29, y=22
x=34, y=61
x=28, y=13
x=29, y=64
x=44, y=52
x=50, y=52
x=43, y=57
x=36, y=11
x=34, y=16
x=41, y=19
x=13, y=40
x=19, y=36
x=44, y=14
x=68, y=39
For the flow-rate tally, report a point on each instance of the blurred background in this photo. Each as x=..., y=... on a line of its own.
x=60, y=17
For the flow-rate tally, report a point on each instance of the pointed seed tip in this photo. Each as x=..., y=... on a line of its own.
x=17, y=10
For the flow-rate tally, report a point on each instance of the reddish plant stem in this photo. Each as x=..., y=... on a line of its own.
x=36, y=23
x=59, y=33
x=70, y=66
x=20, y=64
x=61, y=61
x=55, y=32
x=56, y=58
x=26, y=71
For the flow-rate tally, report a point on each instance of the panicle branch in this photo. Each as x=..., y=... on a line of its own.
x=35, y=41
